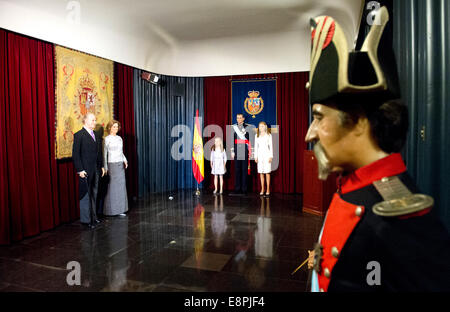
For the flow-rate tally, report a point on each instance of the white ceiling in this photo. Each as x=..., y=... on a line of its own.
x=184, y=37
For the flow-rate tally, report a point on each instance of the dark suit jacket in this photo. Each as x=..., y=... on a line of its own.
x=86, y=153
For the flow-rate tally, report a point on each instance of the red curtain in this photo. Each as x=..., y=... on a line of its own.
x=292, y=106
x=124, y=113
x=4, y=209
x=36, y=192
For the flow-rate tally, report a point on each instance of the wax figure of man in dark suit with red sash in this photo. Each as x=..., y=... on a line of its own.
x=380, y=233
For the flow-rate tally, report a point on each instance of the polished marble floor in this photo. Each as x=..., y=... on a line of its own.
x=211, y=243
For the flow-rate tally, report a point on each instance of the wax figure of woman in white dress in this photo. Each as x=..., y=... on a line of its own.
x=116, y=201
x=218, y=163
x=263, y=155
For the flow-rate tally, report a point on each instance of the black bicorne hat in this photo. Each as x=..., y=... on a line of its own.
x=337, y=72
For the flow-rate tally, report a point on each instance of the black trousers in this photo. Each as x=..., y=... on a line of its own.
x=88, y=198
x=241, y=175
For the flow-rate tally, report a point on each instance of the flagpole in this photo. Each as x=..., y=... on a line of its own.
x=197, y=193
x=197, y=143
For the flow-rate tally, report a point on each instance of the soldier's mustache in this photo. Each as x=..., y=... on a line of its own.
x=322, y=161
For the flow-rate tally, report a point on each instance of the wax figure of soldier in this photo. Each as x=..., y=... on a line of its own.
x=380, y=233
x=240, y=152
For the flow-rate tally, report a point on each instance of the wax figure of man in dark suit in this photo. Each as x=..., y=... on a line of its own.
x=380, y=233
x=88, y=161
x=240, y=154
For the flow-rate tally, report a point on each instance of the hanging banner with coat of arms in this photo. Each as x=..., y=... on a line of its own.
x=84, y=84
x=256, y=99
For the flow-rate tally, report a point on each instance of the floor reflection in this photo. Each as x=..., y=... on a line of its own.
x=263, y=233
x=117, y=267
x=199, y=232
x=210, y=243
x=218, y=222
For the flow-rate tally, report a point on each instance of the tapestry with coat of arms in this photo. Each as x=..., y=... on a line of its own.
x=256, y=99
x=84, y=84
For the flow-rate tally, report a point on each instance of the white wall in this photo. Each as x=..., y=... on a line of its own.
x=130, y=32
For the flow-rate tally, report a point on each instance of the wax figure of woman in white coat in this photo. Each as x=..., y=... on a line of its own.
x=264, y=155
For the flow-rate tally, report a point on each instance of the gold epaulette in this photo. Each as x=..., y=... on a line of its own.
x=398, y=199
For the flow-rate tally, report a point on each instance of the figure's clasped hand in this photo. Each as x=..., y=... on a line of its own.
x=311, y=259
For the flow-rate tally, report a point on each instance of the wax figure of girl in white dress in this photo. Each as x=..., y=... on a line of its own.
x=218, y=163
x=263, y=155
x=115, y=162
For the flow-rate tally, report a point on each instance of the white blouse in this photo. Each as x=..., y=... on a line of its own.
x=113, y=150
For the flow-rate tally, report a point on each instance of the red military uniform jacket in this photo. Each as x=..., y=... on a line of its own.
x=413, y=250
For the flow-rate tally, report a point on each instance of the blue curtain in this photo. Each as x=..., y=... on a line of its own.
x=422, y=46
x=158, y=109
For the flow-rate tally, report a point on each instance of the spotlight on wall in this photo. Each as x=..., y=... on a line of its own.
x=150, y=77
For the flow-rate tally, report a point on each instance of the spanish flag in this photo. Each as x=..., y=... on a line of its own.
x=197, y=153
